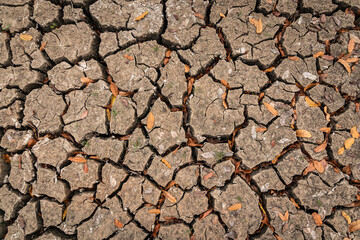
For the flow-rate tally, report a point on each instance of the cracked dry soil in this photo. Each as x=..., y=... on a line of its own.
x=168, y=119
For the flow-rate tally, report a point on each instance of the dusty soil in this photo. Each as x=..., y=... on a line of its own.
x=168, y=119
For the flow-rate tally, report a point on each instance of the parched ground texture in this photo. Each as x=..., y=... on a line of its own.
x=179, y=119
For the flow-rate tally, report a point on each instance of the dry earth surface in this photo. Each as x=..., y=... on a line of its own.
x=179, y=119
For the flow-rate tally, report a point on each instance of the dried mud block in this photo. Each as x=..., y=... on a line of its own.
x=14, y=140
x=22, y=76
x=14, y=19
x=46, y=13
x=150, y=192
x=112, y=177
x=176, y=231
x=29, y=217
x=22, y=171
x=267, y=179
x=193, y=203
x=218, y=175
x=209, y=227
x=187, y=177
x=51, y=212
x=9, y=202
x=131, y=193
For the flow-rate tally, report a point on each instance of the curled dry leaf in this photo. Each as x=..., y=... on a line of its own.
x=347, y=217
x=128, y=57
x=303, y=133
x=141, y=16
x=317, y=218
x=155, y=211
x=354, y=132
x=284, y=217
x=341, y=150
x=345, y=64
x=86, y=80
x=271, y=109
x=235, y=207
x=118, y=224
x=319, y=167
x=351, y=45
x=42, y=47
x=349, y=142
x=26, y=37
x=318, y=54
x=354, y=226
x=150, y=121
x=325, y=129
x=114, y=89
x=168, y=53
x=169, y=197
x=224, y=82
x=222, y=15
x=31, y=143
x=311, y=103
x=328, y=57
x=223, y=96
x=261, y=129
x=77, y=159
x=166, y=163
x=187, y=68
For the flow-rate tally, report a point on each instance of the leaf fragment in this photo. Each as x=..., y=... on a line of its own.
x=26, y=37
x=284, y=217
x=352, y=60
x=294, y=58
x=318, y=54
x=311, y=103
x=141, y=16
x=303, y=133
x=347, y=217
x=235, y=207
x=169, y=197
x=187, y=68
x=354, y=132
x=317, y=218
x=155, y=211
x=222, y=15
x=86, y=168
x=64, y=214
x=114, y=89
x=320, y=147
x=225, y=83
x=349, y=142
x=118, y=224
x=341, y=150
x=261, y=129
x=198, y=15
x=206, y=213
x=354, y=226
x=86, y=80
x=319, y=167
x=270, y=69
x=351, y=45
x=128, y=57
x=209, y=175
x=259, y=27
x=271, y=109
x=346, y=65
x=150, y=121
x=325, y=129
x=309, y=168
x=42, y=47
x=166, y=163
x=77, y=159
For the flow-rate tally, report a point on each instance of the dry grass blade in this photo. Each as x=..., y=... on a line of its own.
x=235, y=207
x=141, y=16
x=26, y=37
x=150, y=121
x=169, y=197
x=303, y=133
x=354, y=226
x=77, y=159
x=349, y=142
x=317, y=218
x=345, y=64
x=347, y=217
x=354, y=132
x=64, y=214
x=166, y=163
x=155, y=211
x=271, y=109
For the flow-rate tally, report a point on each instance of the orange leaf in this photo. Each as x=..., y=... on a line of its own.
x=64, y=214
x=150, y=121
x=351, y=45
x=259, y=27
x=166, y=163
x=224, y=82
x=209, y=175
x=118, y=224
x=26, y=37
x=223, y=96
x=347, y=217
x=317, y=218
x=294, y=58
x=325, y=129
x=198, y=15
x=77, y=159
x=321, y=147
x=86, y=169
x=42, y=47
x=253, y=21
x=31, y=143
x=206, y=213
x=311, y=103
x=261, y=129
x=235, y=207
x=86, y=80
x=108, y=114
x=130, y=58
x=354, y=226
x=187, y=68
x=349, y=142
x=222, y=15
x=345, y=64
x=309, y=168
x=141, y=16
x=285, y=217
x=166, y=61
x=354, y=132
x=155, y=211
x=318, y=54
x=169, y=197
x=352, y=60
x=319, y=167
x=114, y=89
x=303, y=133
x=271, y=109
x=270, y=69
x=84, y=114
x=341, y=150
x=168, y=53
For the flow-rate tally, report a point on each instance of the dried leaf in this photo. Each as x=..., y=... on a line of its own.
x=319, y=167
x=341, y=150
x=259, y=27
x=317, y=218
x=352, y=60
x=86, y=80
x=285, y=217
x=108, y=114
x=206, y=213
x=318, y=54
x=357, y=107
x=64, y=214
x=224, y=82
x=42, y=47
x=84, y=114
x=345, y=64
x=261, y=129
x=86, y=168
x=347, y=217
x=193, y=143
x=114, y=89
x=222, y=15
x=235, y=207
x=309, y=168
x=156, y=230
x=209, y=175
x=168, y=53
x=31, y=143
x=77, y=159
x=187, y=68
x=354, y=226
x=223, y=96
x=169, y=197
x=325, y=129
x=311, y=103
x=351, y=45
x=261, y=96
x=328, y=57
x=198, y=15
x=155, y=211
x=253, y=21
x=271, y=109
x=166, y=163
x=128, y=57
x=141, y=16
x=349, y=142
x=354, y=132
x=294, y=58
x=118, y=224
x=303, y=133
x=270, y=69
x=150, y=121
x=26, y=37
